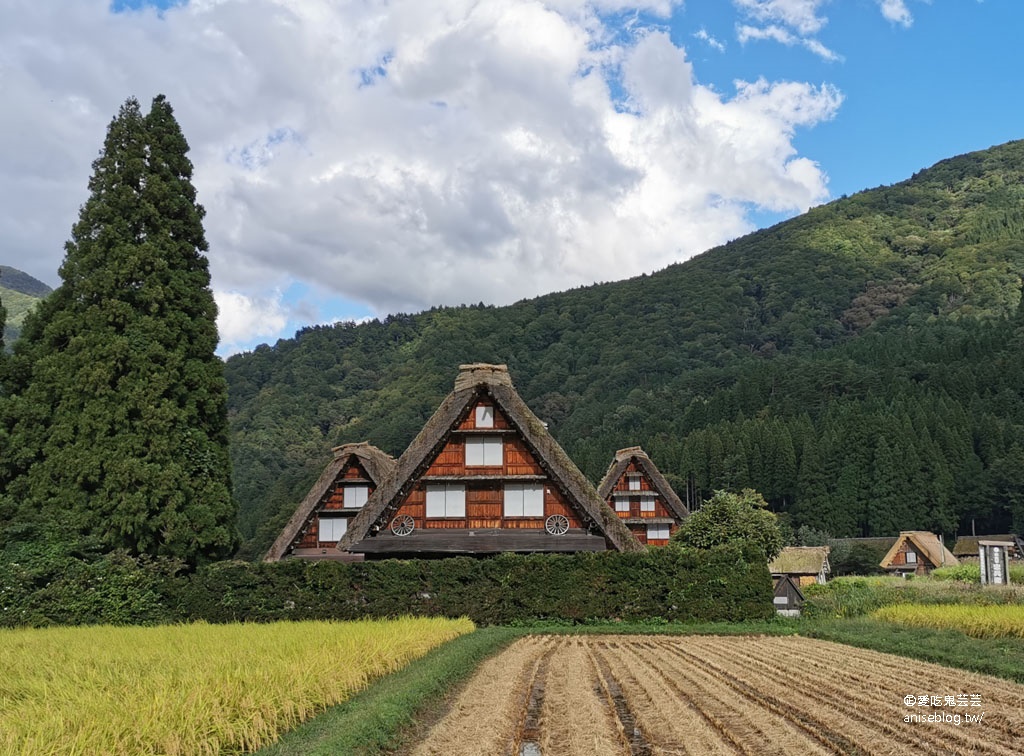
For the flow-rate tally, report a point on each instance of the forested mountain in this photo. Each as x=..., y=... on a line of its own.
x=860, y=365
x=19, y=293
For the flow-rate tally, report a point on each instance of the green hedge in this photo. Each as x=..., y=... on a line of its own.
x=722, y=584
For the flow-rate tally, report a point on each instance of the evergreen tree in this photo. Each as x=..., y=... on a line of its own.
x=119, y=415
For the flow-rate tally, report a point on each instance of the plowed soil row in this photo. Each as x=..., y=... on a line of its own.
x=635, y=695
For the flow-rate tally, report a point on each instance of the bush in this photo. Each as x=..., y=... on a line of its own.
x=675, y=584
x=726, y=583
x=116, y=589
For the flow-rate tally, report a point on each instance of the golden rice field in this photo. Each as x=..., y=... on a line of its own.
x=191, y=689
x=1000, y=621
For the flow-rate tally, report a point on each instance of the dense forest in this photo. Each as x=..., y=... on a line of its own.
x=860, y=365
x=19, y=293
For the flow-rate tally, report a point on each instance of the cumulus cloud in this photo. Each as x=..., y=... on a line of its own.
x=896, y=11
x=801, y=15
x=407, y=154
x=242, y=318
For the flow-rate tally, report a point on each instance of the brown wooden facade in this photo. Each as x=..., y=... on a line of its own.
x=642, y=498
x=917, y=552
x=338, y=495
x=485, y=485
x=484, y=476
x=342, y=502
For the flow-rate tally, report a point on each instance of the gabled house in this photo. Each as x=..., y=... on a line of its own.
x=966, y=547
x=917, y=552
x=338, y=495
x=638, y=493
x=788, y=598
x=806, y=565
x=484, y=476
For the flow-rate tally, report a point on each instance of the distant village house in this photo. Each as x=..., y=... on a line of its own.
x=641, y=496
x=338, y=495
x=917, y=552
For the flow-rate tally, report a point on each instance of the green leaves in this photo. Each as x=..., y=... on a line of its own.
x=741, y=519
x=118, y=408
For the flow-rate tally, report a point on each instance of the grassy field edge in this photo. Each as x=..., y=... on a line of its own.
x=374, y=720
x=1000, y=657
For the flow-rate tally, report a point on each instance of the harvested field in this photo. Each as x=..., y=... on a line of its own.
x=651, y=695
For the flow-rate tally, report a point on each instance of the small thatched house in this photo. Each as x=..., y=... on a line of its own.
x=338, y=495
x=639, y=494
x=805, y=564
x=917, y=552
x=966, y=547
x=484, y=476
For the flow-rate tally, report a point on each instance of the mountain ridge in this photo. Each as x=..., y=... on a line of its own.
x=19, y=293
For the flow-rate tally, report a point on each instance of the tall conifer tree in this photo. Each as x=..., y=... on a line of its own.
x=120, y=413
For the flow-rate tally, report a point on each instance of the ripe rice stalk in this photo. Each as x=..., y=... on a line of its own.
x=997, y=621
x=191, y=689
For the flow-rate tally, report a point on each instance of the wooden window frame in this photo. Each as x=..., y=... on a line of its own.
x=483, y=444
x=481, y=419
x=519, y=490
x=453, y=500
x=362, y=487
x=334, y=523
x=652, y=529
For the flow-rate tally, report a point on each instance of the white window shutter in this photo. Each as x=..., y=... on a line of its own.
x=356, y=496
x=435, y=501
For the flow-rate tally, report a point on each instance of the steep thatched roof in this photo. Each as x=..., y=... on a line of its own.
x=636, y=454
x=924, y=543
x=377, y=465
x=474, y=381
x=800, y=560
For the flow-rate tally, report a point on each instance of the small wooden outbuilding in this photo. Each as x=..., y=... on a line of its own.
x=484, y=476
x=917, y=552
x=806, y=565
x=337, y=496
x=641, y=496
x=788, y=596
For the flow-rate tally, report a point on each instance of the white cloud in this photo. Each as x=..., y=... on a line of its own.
x=783, y=36
x=405, y=154
x=713, y=42
x=242, y=318
x=896, y=11
x=801, y=15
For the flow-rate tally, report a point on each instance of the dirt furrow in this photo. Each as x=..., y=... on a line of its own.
x=674, y=725
x=486, y=717
x=818, y=665
x=631, y=732
x=863, y=709
x=576, y=718
x=742, y=717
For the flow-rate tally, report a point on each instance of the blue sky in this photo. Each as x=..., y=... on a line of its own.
x=501, y=148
